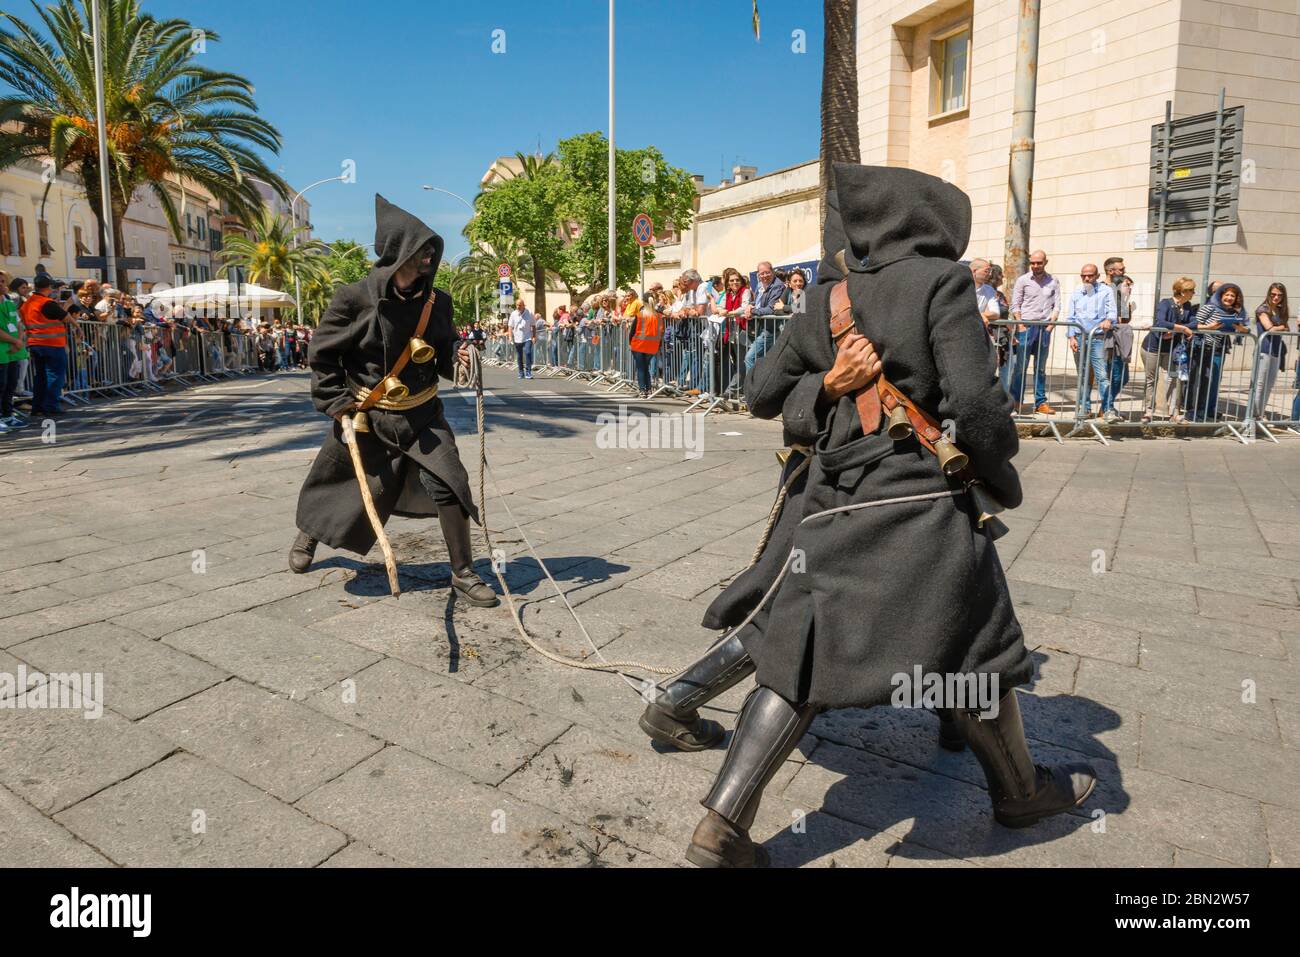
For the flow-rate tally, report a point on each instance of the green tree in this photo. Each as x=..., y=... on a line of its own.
x=644, y=183
x=476, y=273
x=523, y=210
x=269, y=257
x=166, y=116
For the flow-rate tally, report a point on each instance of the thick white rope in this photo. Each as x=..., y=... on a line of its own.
x=471, y=376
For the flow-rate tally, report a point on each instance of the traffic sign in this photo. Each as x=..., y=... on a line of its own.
x=505, y=288
x=643, y=230
x=503, y=271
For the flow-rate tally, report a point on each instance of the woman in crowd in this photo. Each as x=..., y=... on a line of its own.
x=1215, y=321
x=734, y=333
x=644, y=335
x=1170, y=333
x=792, y=301
x=1273, y=315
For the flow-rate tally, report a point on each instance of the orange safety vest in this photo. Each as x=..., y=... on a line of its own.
x=647, y=333
x=41, y=330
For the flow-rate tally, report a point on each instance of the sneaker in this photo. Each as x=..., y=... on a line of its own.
x=5, y=426
x=14, y=422
x=528, y=375
x=1112, y=416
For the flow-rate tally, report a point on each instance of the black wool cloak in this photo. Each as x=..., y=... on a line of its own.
x=796, y=394
x=877, y=592
x=359, y=338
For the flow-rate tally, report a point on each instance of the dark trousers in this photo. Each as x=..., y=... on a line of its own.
x=641, y=362
x=49, y=369
x=438, y=490
x=8, y=386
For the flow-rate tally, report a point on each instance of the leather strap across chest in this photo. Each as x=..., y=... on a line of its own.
x=378, y=391
x=880, y=393
x=866, y=399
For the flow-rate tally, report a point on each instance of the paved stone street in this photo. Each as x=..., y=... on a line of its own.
x=256, y=717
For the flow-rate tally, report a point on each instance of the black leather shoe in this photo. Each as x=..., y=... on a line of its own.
x=719, y=843
x=474, y=590
x=460, y=554
x=1023, y=793
x=693, y=734
x=673, y=719
x=302, y=553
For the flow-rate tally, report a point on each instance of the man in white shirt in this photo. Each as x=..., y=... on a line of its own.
x=985, y=295
x=523, y=329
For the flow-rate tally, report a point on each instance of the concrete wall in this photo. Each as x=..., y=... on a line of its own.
x=772, y=217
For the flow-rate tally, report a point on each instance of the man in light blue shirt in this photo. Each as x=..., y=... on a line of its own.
x=1092, y=306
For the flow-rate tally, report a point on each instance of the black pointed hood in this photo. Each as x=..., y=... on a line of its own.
x=398, y=236
x=831, y=268
x=890, y=213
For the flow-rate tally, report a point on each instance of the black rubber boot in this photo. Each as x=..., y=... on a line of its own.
x=673, y=718
x=767, y=731
x=950, y=737
x=302, y=553
x=1022, y=792
x=460, y=554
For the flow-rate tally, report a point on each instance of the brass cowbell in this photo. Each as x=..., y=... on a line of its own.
x=900, y=426
x=421, y=351
x=393, y=388
x=951, y=459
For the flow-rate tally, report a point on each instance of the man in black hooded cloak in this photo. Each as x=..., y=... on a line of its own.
x=411, y=463
x=887, y=589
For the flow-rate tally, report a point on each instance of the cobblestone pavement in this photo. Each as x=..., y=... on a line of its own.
x=251, y=716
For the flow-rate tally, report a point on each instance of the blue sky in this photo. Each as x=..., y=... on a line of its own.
x=414, y=94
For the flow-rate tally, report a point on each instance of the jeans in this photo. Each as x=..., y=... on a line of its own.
x=524, y=358
x=758, y=349
x=49, y=369
x=1205, y=373
x=1019, y=362
x=1269, y=366
x=1096, y=363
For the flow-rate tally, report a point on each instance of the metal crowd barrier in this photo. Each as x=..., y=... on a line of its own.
x=1275, y=395
x=700, y=359
x=1040, y=371
x=105, y=358
x=1206, y=381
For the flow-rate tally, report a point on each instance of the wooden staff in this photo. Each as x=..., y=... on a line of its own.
x=390, y=560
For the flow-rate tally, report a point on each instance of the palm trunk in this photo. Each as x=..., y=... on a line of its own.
x=839, y=106
x=539, y=288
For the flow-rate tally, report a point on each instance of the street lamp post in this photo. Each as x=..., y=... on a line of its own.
x=612, y=210
x=106, y=202
x=293, y=217
x=470, y=206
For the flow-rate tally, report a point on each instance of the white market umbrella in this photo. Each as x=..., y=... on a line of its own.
x=216, y=293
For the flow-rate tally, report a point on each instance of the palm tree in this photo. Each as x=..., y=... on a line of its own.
x=839, y=101
x=532, y=167
x=168, y=119
x=475, y=275
x=269, y=255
